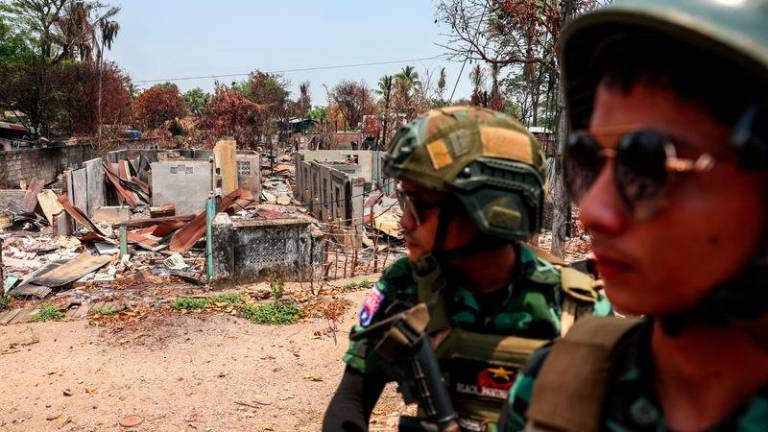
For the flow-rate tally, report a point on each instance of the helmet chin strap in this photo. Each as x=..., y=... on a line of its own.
x=441, y=257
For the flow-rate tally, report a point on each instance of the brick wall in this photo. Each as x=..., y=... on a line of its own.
x=42, y=163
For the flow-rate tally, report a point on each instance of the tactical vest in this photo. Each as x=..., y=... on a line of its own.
x=568, y=398
x=480, y=368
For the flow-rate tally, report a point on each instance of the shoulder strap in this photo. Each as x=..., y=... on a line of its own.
x=429, y=287
x=570, y=388
x=580, y=297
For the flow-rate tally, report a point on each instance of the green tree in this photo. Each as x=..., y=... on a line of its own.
x=408, y=96
x=14, y=45
x=319, y=114
x=197, y=101
x=385, y=91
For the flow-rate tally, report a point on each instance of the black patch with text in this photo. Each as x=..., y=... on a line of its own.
x=479, y=379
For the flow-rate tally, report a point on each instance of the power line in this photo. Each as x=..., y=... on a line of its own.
x=305, y=69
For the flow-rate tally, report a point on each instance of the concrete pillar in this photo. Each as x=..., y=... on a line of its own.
x=223, y=251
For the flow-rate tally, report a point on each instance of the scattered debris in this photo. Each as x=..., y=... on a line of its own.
x=186, y=237
x=175, y=262
x=57, y=274
x=49, y=203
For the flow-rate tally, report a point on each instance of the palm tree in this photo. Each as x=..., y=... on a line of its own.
x=83, y=31
x=108, y=32
x=406, y=82
x=410, y=76
x=441, y=83
x=385, y=90
x=304, y=103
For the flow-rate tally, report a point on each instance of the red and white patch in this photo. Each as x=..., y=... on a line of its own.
x=373, y=299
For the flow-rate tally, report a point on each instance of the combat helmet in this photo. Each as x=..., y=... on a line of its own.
x=732, y=31
x=486, y=159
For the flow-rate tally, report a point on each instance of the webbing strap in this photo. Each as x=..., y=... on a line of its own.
x=578, y=285
x=570, y=388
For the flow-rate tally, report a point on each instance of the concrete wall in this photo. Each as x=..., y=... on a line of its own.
x=155, y=154
x=185, y=183
x=249, y=172
x=249, y=162
x=368, y=160
x=250, y=251
x=42, y=163
x=331, y=191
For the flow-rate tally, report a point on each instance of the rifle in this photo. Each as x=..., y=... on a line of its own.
x=406, y=346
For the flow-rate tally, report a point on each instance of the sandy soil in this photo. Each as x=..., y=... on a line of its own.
x=179, y=373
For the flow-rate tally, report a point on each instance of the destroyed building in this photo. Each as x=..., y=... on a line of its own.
x=143, y=206
x=333, y=184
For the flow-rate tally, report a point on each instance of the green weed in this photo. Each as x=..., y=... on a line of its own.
x=233, y=298
x=48, y=312
x=271, y=313
x=5, y=300
x=102, y=310
x=189, y=303
x=276, y=284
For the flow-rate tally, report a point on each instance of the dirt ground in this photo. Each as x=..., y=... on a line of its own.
x=197, y=372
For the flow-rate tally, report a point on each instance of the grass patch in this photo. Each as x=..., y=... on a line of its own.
x=48, y=312
x=5, y=300
x=350, y=286
x=271, y=313
x=233, y=299
x=267, y=313
x=364, y=284
x=102, y=310
x=189, y=303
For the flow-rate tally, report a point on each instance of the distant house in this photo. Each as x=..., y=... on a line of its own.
x=546, y=138
x=299, y=125
x=346, y=140
x=13, y=132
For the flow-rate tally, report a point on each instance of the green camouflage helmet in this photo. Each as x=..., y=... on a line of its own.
x=488, y=160
x=735, y=31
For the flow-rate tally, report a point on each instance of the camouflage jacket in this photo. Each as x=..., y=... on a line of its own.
x=529, y=307
x=630, y=404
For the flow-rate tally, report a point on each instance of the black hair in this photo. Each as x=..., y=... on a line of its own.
x=720, y=87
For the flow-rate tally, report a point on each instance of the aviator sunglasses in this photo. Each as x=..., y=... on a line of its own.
x=415, y=208
x=644, y=163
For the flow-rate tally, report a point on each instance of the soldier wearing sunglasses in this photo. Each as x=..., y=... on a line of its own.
x=668, y=162
x=471, y=190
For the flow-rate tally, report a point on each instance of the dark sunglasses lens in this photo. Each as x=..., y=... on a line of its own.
x=582, y=163
x=641, y=172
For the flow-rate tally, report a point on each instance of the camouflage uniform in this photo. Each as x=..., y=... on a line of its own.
x=529, y=307
x=490, y=168
x=631, y=404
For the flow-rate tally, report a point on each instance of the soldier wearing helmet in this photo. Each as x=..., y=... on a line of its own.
x=471, y=189
x=668, y=161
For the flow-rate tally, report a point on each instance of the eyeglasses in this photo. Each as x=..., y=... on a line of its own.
x=645, y=161
x=413, y=207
